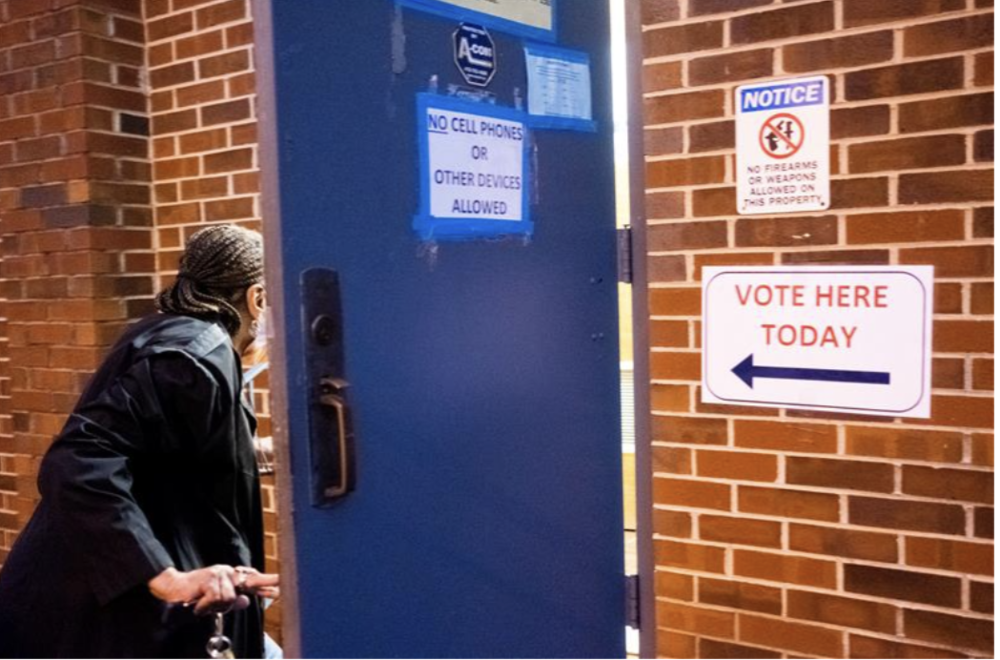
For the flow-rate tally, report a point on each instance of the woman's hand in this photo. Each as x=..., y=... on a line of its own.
x=251, y=581
x=210, y=590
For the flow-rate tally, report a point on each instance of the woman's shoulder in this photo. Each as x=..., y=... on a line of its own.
x=161, y=332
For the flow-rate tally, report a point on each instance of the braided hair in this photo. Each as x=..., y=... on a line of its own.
x=219, y=264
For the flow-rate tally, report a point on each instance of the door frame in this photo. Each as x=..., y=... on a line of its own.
x=270, y=204
x=640, y=332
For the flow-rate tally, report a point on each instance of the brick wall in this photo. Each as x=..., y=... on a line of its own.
x=75, y=220
x=782, y=533
x=204, y=141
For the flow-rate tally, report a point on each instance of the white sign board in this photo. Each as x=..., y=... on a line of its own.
x=835, y=338
x=476, y=165
x=534, y=13
x=783, y=146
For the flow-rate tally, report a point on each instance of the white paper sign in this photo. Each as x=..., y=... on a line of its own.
x=475, y=166
x=535, y=13
x=558, y=83
x=783, y=146
x=836, y=338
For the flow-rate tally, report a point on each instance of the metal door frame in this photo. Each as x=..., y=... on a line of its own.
x=640, y=333
x=278, y=353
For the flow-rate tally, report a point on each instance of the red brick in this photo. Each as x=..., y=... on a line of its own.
x=948, y=299
x=745, y=65
x=786, y=503
x=948, y=555
x=687, y=236
x=966, y=33
x=685, y=172
x=840, y=611
x=963, y=336
x=946, y=187
x=224, y=65
x=903, y=585
x=982, y=374
x=705, y=7
x=739, y=466
x=672, y=523
x=689, y=430
x=982, y=446
x=795, y=21
x=954, y=631
x=849, y=543
x=674, y=585
x=663, y=142
x=906, y=227
x=950, y=484
x=225, y=12
x=669, y=334
x=739, y=531
x=665, y=205
x=682, y=39
x=953, y=111
x=786, y=231
x=908, y=153
x=904, y=79
x=676, y=108
x=911, y=444
x=695, y=619
x=690, y=493
x=675, y=301
x=859, y=122
x=859, y=193
x=802, y=638
x=842, y=52
x=170, y=26
x=981, y=597
x=228, y=112
x=976, y=412
x=871, y=647
x=671, y=644
x=966, y=261
x=676, y=460
x=660, y=11
x=839, y=474
x=865, y=12
x=675, y=365
x=739, y=595
x=811, y=438
x=711, y=136
x=713, y=202
x=711, y=648
x=906, y=514
x=660, y=77
x=689, y=556
x=984, y=69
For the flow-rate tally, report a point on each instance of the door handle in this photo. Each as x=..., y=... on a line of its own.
x=332, y=472
x=333, y=398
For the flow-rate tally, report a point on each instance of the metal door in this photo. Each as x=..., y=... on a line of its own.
x=485, y=519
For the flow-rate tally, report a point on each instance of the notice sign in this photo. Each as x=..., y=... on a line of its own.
x=559, y=88
x=836, y=338
x=783, y=146
x=473, y=163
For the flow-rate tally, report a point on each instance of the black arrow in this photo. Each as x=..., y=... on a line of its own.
x=747, y=371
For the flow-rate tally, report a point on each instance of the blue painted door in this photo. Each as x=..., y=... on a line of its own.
x=486, y=519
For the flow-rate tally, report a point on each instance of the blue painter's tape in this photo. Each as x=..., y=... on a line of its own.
x=435, y=228
x=787, y=95
x=448, y=10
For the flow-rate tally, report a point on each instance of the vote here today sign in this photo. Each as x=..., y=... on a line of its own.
x=837, y=338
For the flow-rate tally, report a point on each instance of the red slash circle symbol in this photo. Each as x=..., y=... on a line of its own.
x=782, y=135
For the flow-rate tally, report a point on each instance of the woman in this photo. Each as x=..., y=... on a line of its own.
x=150, y=513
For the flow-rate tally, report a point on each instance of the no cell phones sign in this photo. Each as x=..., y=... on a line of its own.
x=783, y=146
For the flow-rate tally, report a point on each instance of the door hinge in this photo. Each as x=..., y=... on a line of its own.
x=632, y=616
x=624, y=235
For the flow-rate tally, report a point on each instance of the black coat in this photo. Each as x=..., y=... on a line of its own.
x=154, y=468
